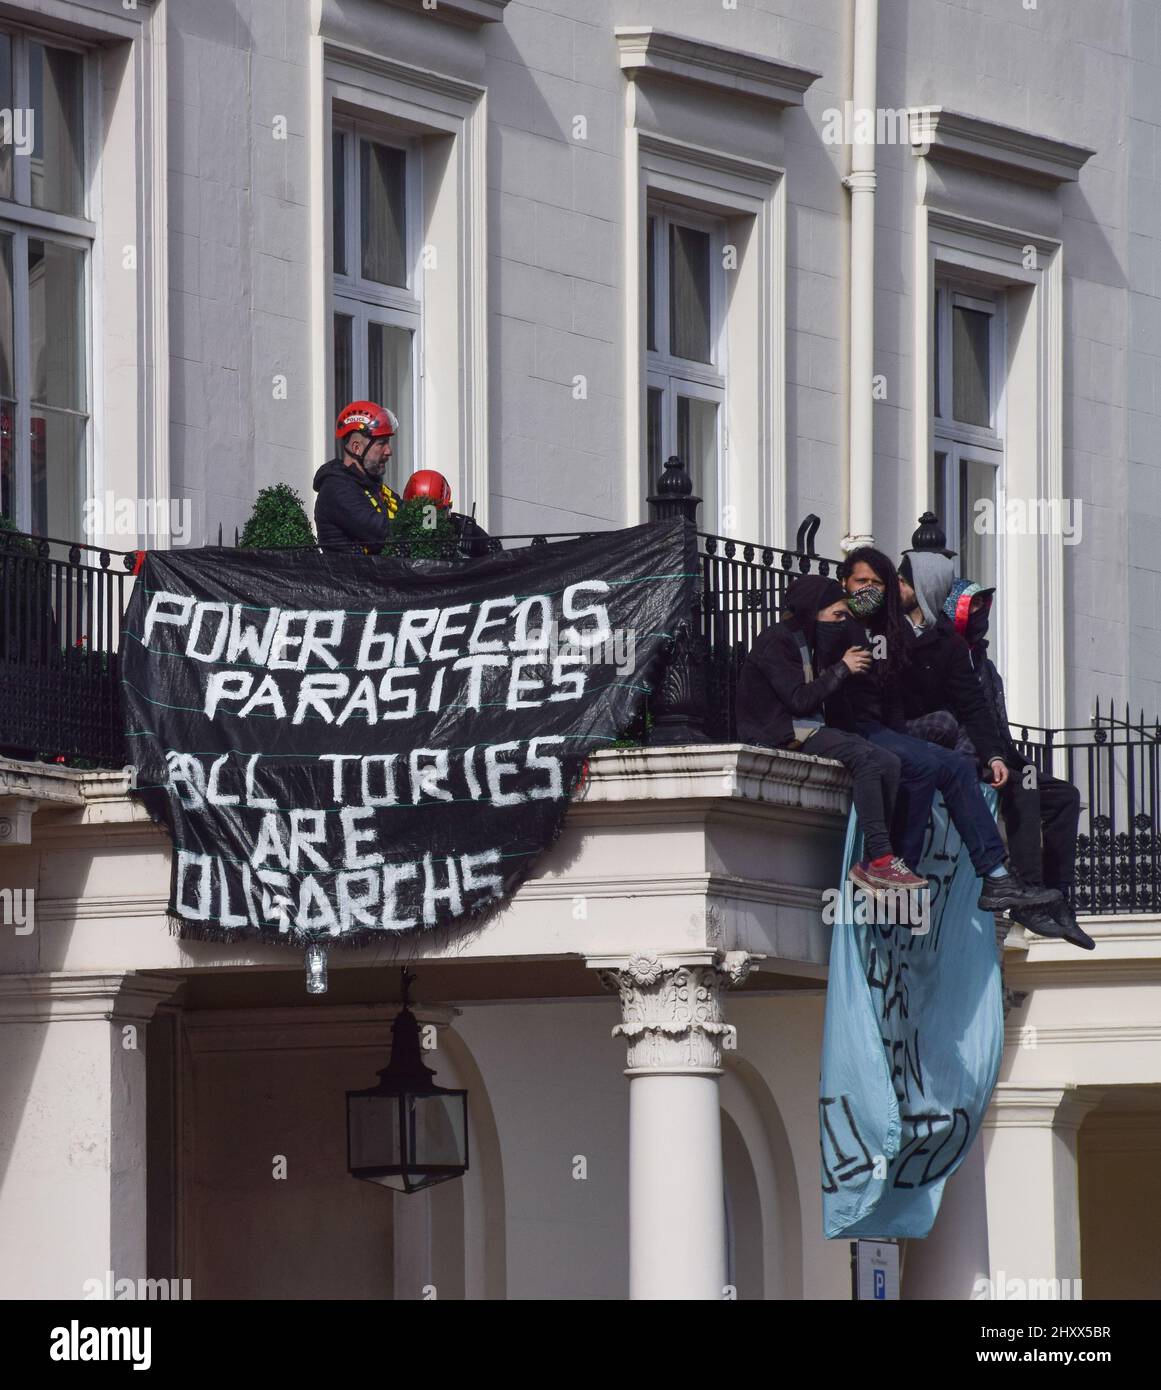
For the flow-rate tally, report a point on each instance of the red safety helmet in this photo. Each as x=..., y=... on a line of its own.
x=365, y=417
x=429, y=485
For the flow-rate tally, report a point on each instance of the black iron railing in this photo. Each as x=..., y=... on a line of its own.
x=1113, y=762
x=60, y=626
x=740, y=592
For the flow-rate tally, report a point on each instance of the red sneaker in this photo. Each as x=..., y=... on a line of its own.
x=860, y=875
x=894, y=875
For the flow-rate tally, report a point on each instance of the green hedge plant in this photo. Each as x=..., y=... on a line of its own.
x=279, y=519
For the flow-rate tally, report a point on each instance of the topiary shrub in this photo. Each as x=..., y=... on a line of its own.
x=278, y=519
x=15, y=541
x=427, y=532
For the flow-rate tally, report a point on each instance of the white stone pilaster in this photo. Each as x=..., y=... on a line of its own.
x=1029, y=1139
x=72, y=1128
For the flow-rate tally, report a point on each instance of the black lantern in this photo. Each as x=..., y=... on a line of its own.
x=407, y=1132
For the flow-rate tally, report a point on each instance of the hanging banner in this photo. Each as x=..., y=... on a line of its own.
x=350, y=746
x=912, y=1041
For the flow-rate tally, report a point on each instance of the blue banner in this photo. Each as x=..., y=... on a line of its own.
x=912, y=1043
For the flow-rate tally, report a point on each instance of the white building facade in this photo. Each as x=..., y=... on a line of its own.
x=853, y=259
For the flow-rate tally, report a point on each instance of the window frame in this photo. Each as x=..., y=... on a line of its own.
x=78, y=231
x=368, y=301
x=675, y=376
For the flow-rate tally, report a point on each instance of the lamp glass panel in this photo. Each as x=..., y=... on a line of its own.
x=436, y=1129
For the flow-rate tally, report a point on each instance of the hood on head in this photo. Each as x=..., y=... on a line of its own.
x=958, y=604
x=805, y=597
x=328, y=470
x=932, y=575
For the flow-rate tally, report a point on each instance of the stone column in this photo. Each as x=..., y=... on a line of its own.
x=1029, y=1136
x=72, y=1128
x=672, y=1020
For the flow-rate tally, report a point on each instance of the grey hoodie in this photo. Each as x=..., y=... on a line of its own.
x=932, y=576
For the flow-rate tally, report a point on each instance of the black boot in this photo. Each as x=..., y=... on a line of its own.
x=1070, y=928
x=1038, y=920
x=1004, y=894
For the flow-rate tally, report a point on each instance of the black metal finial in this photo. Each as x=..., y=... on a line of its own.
x=806, y=534
x=930, y=535
x=674, y=495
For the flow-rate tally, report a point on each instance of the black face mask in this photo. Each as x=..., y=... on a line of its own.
x=976, y=628
x=832, y=639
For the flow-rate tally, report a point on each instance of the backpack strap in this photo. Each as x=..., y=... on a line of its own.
x=804, y=725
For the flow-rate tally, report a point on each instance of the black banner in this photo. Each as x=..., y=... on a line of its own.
x=348, y=746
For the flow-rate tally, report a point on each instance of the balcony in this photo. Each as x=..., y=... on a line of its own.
x=61, y=605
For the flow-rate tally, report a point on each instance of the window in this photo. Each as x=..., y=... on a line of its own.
x=45, y=246
x=968, y=396
x=685, y=350
x=378, y=318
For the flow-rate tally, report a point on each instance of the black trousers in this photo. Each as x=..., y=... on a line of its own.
x=876, y=775
x=1041, y=822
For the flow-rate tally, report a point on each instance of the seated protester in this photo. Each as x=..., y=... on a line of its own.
x=780, y=704
x=872, y=586
x=941, y=677
x=1041, y=812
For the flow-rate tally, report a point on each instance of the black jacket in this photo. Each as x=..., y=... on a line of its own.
x=993, y=688
x=871, y=698
x=773, y=690
x=941, y=676
x=772, y=687
x=345, y=517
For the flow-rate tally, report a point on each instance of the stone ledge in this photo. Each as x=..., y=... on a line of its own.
x=471, y=13
x=725, y=772
x=26, y=788
x=649, y=52
x=995, y=148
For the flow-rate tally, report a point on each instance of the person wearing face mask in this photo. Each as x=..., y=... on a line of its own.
x=1041, y=812
x=355, y=507
x=872, y=587
x=941, y=678
x=780, y=704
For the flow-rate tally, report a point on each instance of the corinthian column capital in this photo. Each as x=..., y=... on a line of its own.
x=671, y=1008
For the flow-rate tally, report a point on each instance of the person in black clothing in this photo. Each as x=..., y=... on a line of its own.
x=940, y=672
x=355, y=507
x=780, y=704
x=873, y=595
x=1041, y=812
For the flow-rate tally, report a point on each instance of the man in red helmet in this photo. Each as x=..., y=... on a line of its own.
x=355, y=507
x=429, y=486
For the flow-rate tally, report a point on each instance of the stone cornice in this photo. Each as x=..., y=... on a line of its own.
x=306, y=1027
x=1072, y=1034
x=1093, y=969
x=26, y=788
x=115, y=996
x=994, y=148
x=45, y=782
x=648, y=52
x=718, y=772
x=470, y=13
x=1041, y=1107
